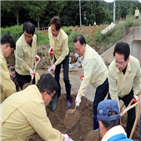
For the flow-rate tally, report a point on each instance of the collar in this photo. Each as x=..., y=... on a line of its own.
x=128, y=66
x=1, y=52
x=85, y=50
x=113, y=131
x=24, y=42
x=58, y=36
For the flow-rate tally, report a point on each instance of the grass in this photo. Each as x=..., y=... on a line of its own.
x=116, y=34
x=70, y=40
x=95, y=41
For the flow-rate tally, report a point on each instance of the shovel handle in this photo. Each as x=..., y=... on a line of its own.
x=128, y=108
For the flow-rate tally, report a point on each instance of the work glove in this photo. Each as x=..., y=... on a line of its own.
x=66, y=137
x=135, y=98
x=53, y=67
x=31, y=72
x=50, y=51
x=82, y=77
x=37, y=58
x=77, y=100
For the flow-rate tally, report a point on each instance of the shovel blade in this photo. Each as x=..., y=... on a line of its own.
x=53, y=104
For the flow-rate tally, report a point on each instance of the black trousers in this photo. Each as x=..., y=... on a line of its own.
x=65, y=63
x=131, y=113
x=23, y=79
x=100, y=94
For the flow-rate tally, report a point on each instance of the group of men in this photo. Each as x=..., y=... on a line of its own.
x=23, y=113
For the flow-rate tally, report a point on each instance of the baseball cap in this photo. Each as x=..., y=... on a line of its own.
x=103, y=109
x=12, y=69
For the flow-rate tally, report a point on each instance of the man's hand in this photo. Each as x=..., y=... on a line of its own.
x=31, y=72
x=37, y=58
x=50, y=51
x=11, y=76
x=53, y=68
x=135, y=98
x=82, y=77
x=66, y=137
x=77, y=100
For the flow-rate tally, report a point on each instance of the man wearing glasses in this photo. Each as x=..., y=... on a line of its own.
x=95, y=72
x=124, y=78
x=24, y=113
x=25, y=54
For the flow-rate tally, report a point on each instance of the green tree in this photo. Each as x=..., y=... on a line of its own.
x=14, y=7
x=59, y=6
x=36, y=10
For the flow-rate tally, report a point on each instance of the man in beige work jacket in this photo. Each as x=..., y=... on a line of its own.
x=95, y=72
x=24, y=113
x=7, y=86
x=137, y=13
x=25, y=54
x=124, y=78
x=59, y=44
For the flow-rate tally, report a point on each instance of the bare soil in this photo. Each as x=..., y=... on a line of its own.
x=83, y=129
x=71, y=117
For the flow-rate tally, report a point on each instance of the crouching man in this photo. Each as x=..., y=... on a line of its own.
x=109, y=121
x=24, y=113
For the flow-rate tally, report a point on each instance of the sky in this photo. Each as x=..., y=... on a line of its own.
x=113, y=0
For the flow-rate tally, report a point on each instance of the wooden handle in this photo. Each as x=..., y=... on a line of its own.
x=36, y=62
x=128, y=108
x=121, y=106
x=50, y=61
x=136, y=120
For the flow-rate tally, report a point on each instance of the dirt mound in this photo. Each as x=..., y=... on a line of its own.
x=88, y=29
x=136, y=136
x=42, y=51
x=93, y=136
x=79, y=131
x=82, y=131
x=11, y=60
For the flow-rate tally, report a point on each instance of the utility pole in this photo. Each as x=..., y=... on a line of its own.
x=80, y=11
x=114, y=11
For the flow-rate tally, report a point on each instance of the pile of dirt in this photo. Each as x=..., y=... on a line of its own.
x=83, y=130
x=79, y=131
x=88, y=29
x=42, y=51
x=11, y=60
x=93, y=135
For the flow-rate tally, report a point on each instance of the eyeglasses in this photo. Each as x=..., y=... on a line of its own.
x=119, y=64
x=52, y=97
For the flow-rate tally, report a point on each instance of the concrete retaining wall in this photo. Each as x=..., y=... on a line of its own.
x=133, y=39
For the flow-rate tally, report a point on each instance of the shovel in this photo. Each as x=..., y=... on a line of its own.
x=137, y=117
x=31, y=82
x=71, y=117
x=52, y=104
x=129, y=107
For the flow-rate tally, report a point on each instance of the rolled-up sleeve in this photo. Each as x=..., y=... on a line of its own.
x=113, y=90
x=41, y=124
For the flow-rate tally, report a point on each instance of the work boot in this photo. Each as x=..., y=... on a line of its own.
x=58, y=92
x=96, y=125
x=68, y=90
